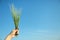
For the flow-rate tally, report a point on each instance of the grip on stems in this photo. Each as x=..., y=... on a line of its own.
x=16, y=33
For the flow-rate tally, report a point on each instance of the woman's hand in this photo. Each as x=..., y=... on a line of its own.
x=14, y=33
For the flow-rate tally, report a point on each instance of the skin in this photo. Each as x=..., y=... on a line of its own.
x=14, y=33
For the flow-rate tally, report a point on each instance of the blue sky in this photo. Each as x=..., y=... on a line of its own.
x=40, y=19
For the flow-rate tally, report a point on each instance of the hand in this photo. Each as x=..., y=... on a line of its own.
x=14, y=33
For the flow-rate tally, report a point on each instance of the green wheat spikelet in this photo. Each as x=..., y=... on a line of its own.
x=16, y=16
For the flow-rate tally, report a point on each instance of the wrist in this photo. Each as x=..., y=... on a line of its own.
x=9, y=37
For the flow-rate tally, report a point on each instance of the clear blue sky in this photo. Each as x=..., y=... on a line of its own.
x=40, y=19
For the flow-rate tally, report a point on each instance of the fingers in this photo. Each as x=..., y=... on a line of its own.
x=15, y=32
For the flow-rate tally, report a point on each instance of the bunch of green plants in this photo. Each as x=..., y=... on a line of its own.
x=15, y=15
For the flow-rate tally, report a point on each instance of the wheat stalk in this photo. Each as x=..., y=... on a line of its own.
x=16, y=16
